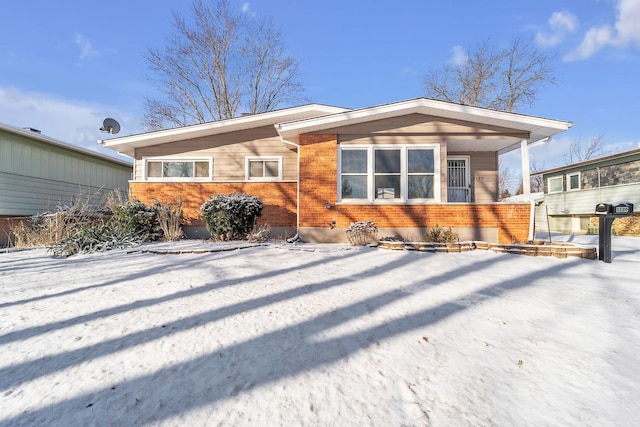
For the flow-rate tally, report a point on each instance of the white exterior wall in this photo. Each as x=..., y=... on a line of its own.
x=563, y=206
x=36, y=177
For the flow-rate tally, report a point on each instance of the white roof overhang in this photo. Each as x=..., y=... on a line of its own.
x=535, y=128
x=128, y=144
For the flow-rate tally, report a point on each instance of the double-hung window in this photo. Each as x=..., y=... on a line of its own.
x=420, y=173
x=355, y=172
x=389, y=173
x=197, y=169
x=263, y=168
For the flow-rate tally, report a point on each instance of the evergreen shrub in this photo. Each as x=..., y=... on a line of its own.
x=231, y=216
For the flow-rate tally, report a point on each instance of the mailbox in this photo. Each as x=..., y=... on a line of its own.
x=619, y=208
x=607, y=213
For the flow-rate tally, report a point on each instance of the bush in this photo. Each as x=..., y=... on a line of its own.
x=231, y=216
x=136, y=219
x=84, y=228
x=96, y=237
x=441, y=235
x=259, y=234
x=169, y=219
x=362, y=233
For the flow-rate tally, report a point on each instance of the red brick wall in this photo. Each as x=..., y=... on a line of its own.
x=279, y=198
x=318, y=186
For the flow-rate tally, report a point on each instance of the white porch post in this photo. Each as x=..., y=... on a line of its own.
x=526, y=179
x=526, y=186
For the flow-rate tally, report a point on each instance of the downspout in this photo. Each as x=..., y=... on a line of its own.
x=532, y=221
x=296, y=237
x=526, y=183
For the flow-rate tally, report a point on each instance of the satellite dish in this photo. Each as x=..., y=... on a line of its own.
x=110, y=126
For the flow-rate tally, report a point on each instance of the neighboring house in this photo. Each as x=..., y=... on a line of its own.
x=38, y=173
x=572, y=192
x=408, y=166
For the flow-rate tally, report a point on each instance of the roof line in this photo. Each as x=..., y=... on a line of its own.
x=590, y=161
x=246, y=119
x=418, y=105
x=47, y=139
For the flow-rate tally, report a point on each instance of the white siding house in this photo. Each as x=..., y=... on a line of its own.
x=571, y=192
x=38, y=173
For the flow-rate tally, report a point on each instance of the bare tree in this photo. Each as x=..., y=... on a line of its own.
x=504, y=180
x=536, y=183
x=220, y=64
x=503, y=79
x=583, y=149
x=507, y=175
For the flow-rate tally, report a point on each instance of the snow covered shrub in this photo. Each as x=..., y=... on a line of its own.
x=137, y=219
x=362, y=233
x=231, y=216
x=441, y=235
x=169, y=219
x=95, y=237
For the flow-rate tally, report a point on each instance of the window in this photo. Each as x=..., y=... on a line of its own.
x=420, y=169
x=387, y=174
x=263, y=168
x=573, y=181
x=354, y=174
x=391, y=173
x=179, y=169
x=554, y=184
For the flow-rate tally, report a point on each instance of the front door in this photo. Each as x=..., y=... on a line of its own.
x=458, y=187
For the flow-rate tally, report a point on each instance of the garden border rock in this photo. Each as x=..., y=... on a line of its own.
x=558, y=250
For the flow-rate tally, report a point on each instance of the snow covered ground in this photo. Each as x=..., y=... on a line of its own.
x=321, y=336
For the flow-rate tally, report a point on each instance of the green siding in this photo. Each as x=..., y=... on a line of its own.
x=36, y=176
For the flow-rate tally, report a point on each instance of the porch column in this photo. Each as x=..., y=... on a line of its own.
x=526, y=179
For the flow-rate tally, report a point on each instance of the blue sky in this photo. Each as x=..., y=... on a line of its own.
x=65, y=66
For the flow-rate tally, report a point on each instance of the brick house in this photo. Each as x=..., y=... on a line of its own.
x=571, y=193
x=408, y=166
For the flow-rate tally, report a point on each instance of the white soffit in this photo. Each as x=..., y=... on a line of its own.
x=538, y=127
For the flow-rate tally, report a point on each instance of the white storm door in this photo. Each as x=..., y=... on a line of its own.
x=458, y=186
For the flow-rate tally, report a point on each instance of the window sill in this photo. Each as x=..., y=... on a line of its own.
x=381, y=202
x=176, y=180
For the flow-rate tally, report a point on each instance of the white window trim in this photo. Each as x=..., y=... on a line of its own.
x=178, y=159
x=549, y=184
x=404, y=187
x=569, y=181
x=247, y=170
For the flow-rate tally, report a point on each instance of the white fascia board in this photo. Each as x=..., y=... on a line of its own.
x=537, y=126
x=129, y=143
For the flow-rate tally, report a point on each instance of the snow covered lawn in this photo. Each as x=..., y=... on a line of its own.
x=268, y=336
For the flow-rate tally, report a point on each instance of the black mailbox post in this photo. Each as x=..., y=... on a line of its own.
x=607, y=213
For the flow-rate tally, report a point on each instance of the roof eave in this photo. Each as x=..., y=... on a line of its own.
x=62, y=144
x=128, y=144
x=578, y=165
x=538, y=127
